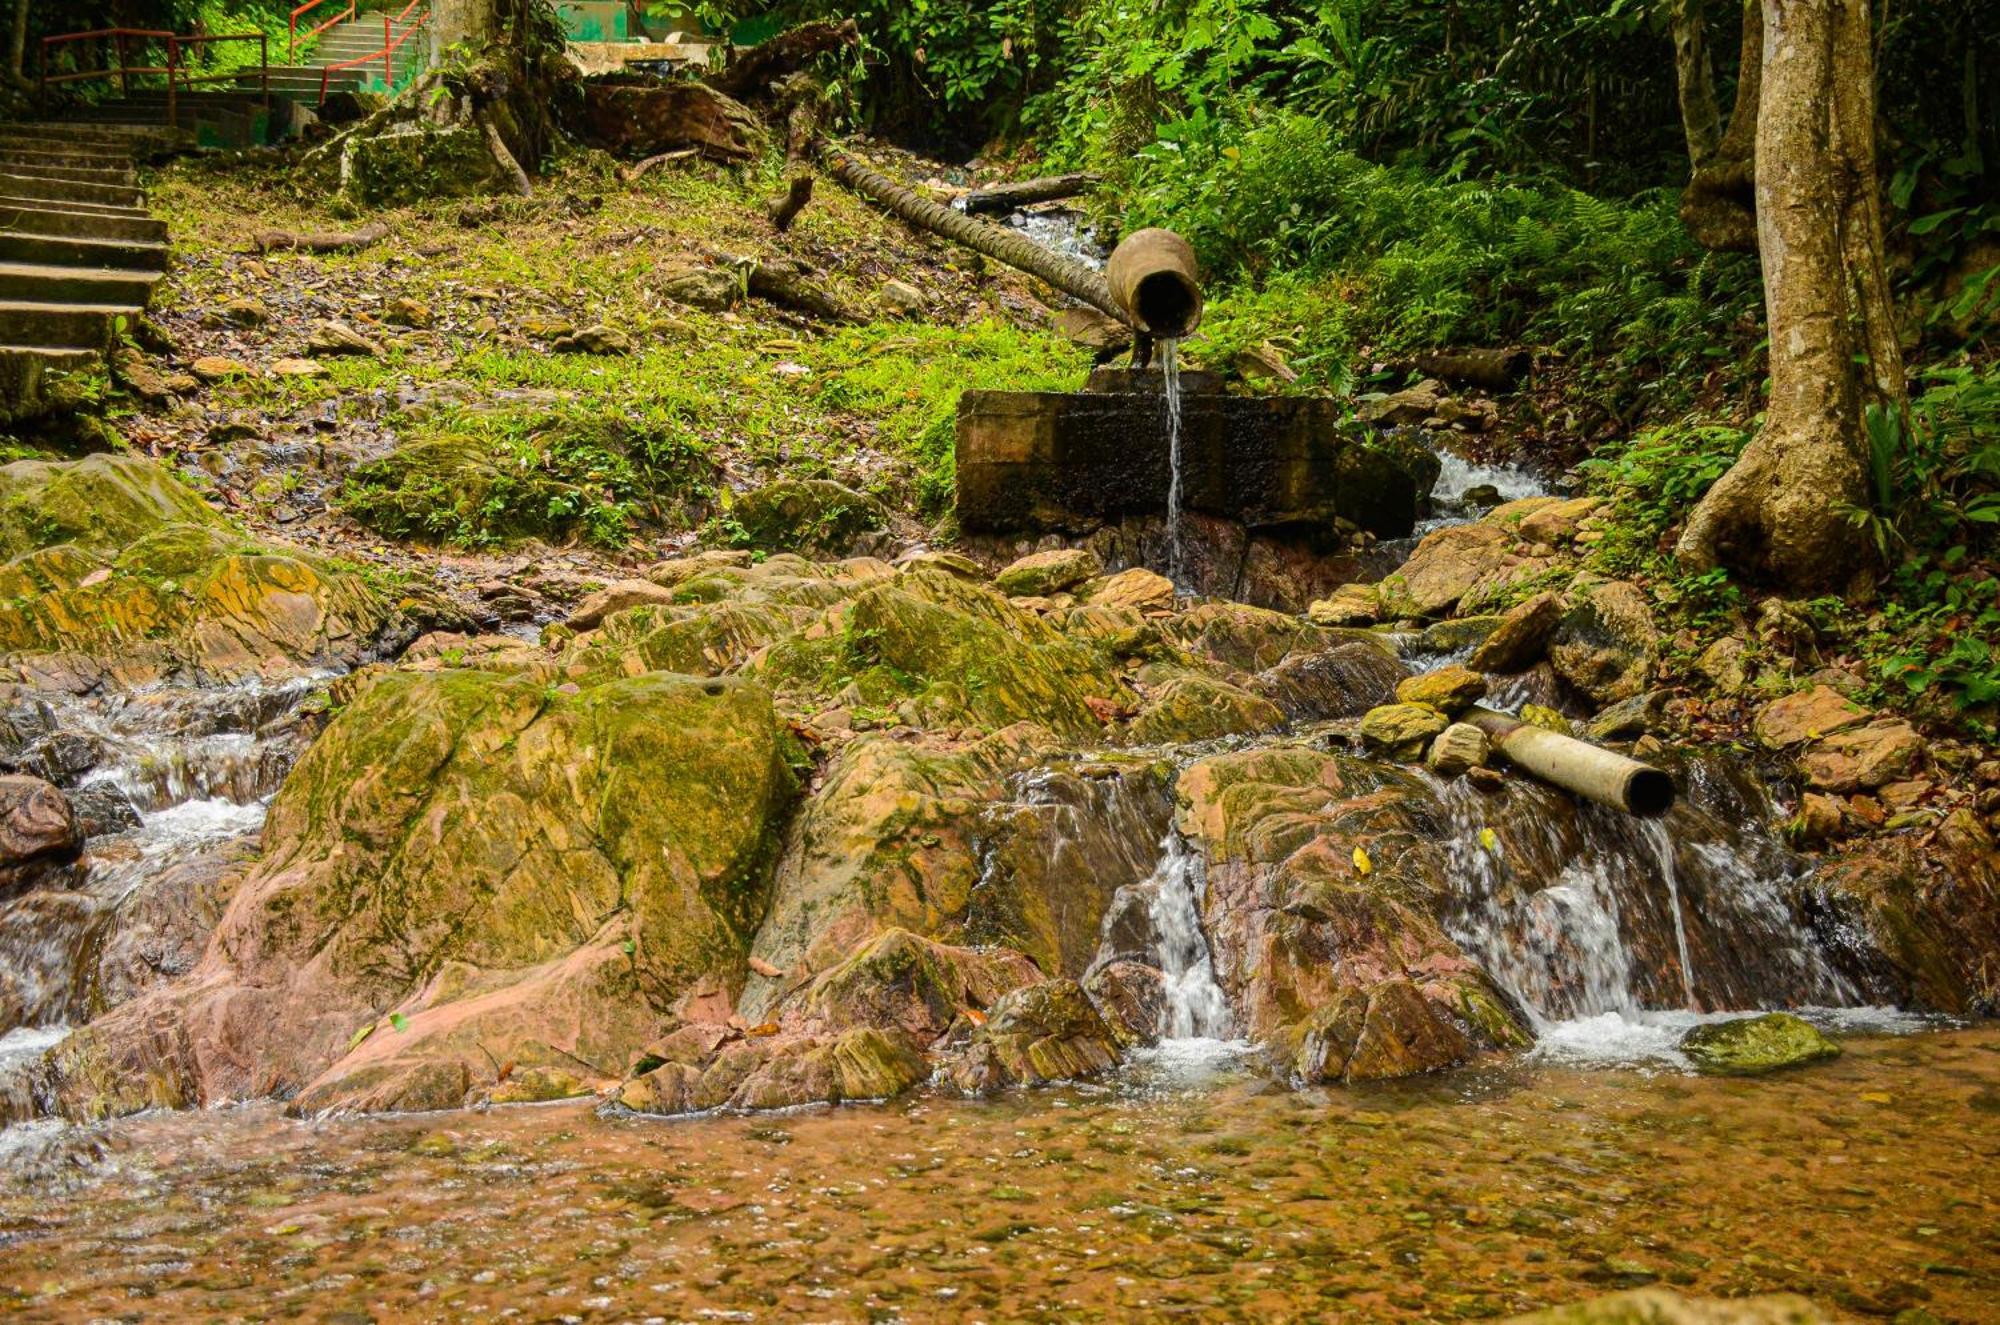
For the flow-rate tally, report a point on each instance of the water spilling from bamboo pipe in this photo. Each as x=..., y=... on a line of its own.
x=1583, y=769
x=1153, y=279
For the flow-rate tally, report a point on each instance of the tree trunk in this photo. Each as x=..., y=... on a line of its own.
x=1719, y=205
x=17, y=44
x=1694, y=73
x=1002, y=198
x=470, y=24
x=1781, y=513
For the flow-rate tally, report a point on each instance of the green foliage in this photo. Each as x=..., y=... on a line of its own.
x=1653, y=481
x=479, y=477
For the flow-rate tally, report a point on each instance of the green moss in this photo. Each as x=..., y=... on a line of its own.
x=1752, y=1046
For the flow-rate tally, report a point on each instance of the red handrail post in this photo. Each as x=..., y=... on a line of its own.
x=264, y=57
x=173, y=106
x=124, y=72
x=388, y=54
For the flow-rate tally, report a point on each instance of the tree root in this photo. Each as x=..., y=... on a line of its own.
x=628, y=174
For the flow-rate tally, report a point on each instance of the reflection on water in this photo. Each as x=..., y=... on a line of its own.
x=1866, y=1183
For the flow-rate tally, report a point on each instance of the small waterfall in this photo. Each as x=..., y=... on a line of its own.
x=1195, y=1006
x=1170, y=388
x=1607, y=930
x=1152, y=929
x=172, y=784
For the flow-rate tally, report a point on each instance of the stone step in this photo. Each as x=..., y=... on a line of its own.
x=125, y=137
x=45, y=219
x=80, y=326
x=77, y=285
x=102, y=254
x=66, y=359
x=112, y=151
x=49, y=166
x=17, y=184
x=67, y=205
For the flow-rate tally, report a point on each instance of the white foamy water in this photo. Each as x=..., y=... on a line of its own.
x=1195, y=1006
x=1642, y=1039
x=25, y=1042
x=193, y=822
x=1458, y=476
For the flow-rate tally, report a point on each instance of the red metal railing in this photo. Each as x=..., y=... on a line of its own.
x=176, y=67
x=341, y=17
x=121, y=39
x=387, y=55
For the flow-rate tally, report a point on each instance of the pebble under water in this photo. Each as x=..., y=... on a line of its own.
x=1172, y=1191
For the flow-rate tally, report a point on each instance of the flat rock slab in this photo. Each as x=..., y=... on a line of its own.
x=1067, y=462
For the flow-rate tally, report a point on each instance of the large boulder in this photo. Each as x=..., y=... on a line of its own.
x=416, y=161
x=469, y=870
x=1607, y=642
x=807, y=515
x=1321, y=907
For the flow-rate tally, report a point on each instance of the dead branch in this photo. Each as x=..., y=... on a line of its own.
x=630, y=173
x=789, y=204
x=321, y=241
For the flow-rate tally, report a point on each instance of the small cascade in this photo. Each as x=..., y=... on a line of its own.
x=1170, y=388
x=1153, y=927
x=1195, y=1008
x=172, y=785
x=1663, y=851
x=1580, y=913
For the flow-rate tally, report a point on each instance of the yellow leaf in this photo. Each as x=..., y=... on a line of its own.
x=1361, y=862
x=1489, y=839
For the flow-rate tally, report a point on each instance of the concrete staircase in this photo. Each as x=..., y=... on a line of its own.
x=77, y=249
x=360, y=37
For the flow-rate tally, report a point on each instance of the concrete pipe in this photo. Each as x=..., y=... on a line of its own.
x=1586, y=770
x=1152, y=278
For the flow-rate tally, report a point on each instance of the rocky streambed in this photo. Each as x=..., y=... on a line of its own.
x=747, y=832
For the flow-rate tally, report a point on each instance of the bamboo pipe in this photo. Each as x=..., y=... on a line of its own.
x=1587, y=770
x=1151, y=275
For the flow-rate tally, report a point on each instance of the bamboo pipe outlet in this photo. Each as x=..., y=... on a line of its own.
x=1586, y=770
x=1152, y=277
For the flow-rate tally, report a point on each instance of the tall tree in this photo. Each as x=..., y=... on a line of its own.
x=17, y=44
x=1718, y=206
x=1779, y=514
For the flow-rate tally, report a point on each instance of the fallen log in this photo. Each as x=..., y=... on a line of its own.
x=765, y=63
x=1578, y=767
x=1003, y=198
x=318, y=241
x=1496, y=370
x=1073, y=278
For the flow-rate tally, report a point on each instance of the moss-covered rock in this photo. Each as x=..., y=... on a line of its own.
x=807, y=515
x=417, y=161
x=1451, y=690
x=120, y=574
x=1040, y=574
x=1660, y=1306
x=1402, y=731
x=470, y=869
x=1193, y=707
x=1752, y=1046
